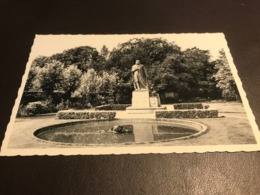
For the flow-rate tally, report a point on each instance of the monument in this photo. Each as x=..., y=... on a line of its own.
x=142, y=100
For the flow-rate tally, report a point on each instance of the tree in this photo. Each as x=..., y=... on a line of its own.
x=104, y=52
x=149, y=51
x=71, y=80
x=188, y=73
x=94, y=87
x=225, y=80
x=83, y=57
x=36, y=65
x=49, y=78
x=201, y=69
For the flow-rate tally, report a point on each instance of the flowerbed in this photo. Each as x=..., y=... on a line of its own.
x=187, y=114
x=79, y=114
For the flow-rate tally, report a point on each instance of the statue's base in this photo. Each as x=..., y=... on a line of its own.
x=142, y=103
x=140, y=98
x=143, y=110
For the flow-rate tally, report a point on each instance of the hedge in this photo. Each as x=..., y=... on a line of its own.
x=113, y=107
x=188, y=106
x=73, y=114
x=187, y=114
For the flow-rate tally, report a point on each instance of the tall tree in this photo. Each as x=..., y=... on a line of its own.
x=49, y=77
x=71, y=80
x=225, y=80
x=189, y=73
x=104, y=52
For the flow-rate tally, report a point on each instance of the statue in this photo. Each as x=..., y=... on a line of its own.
x=139, y=76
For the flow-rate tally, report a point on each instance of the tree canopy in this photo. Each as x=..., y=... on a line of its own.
x=224, y=78
x=85, y=76
x=149, y=51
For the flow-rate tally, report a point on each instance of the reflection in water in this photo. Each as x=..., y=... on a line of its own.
x=100, y=133
x=143, y=132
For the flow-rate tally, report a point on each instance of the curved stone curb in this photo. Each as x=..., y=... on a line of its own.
x=201, y=128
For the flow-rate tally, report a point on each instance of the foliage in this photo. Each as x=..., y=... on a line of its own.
x=224, y=78
x=187, y=73
x=104, y=52
x=83, y=57
x=31, y=96
x=149, y=51
x=33, y=108
x=71, y=80
x=81, y=77
x=30, y=85
x=93, y=85
x=187, y=114
x=123, y=93
x=72, y=114
x=113, y=107
x=49, y=77
x=188, y=106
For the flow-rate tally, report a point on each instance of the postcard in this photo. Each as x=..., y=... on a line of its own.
x=130, y=94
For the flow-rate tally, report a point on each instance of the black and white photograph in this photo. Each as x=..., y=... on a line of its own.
x=130, y=94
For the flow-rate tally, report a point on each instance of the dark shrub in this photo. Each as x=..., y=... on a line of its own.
x=187, y=114
x=33, y=108
x=186, y=106
x=73, y=114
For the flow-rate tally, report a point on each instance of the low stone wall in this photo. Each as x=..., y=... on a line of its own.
x=187, y=114
x=84, y=114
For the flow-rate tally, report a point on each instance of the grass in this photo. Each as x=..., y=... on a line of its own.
x=232, y=128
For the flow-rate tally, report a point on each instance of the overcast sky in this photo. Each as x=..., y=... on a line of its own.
x=46, y=45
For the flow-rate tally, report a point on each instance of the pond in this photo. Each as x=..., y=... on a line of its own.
x=99, y=133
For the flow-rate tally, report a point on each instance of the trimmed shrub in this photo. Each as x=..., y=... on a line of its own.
x=188, y=106
x=113, y=107
x=33, y=108
x=81, y=114
x=187, y=114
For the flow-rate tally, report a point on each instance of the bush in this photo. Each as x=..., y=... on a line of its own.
x=187, y=114
x=33, y=108
x=21, y=111
x=73, y=114
x=113, y=107
x=188, y=106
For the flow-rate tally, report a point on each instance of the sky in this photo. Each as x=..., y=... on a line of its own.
x=46, y=45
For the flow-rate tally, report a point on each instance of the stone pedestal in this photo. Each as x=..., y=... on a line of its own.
x=140, y=99
x=142, y=103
